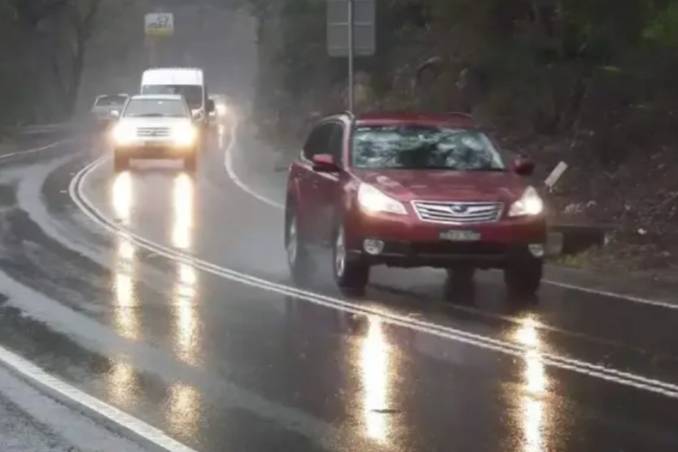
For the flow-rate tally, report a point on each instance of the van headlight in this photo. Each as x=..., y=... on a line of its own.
x=529, y=204
x=373, y=201
x=124, y=133
x=184, y=135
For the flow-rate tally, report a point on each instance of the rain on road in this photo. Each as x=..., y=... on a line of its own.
x=168, y=296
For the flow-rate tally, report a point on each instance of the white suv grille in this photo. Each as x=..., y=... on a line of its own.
x=450, y=212
x=153, y=132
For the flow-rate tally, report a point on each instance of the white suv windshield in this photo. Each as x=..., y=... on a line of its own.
x=424, y=147
x=148, y=108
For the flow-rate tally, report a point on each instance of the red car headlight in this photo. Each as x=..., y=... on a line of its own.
x=529, y=204
x=372, y=201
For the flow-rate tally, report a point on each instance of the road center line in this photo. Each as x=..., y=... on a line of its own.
x=485, y=342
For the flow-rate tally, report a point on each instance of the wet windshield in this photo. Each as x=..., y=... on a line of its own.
x=140, y=108
x=424, y=147
x=192, y=93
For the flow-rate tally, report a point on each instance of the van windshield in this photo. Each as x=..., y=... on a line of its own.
x=155, y=108
x=192, y=93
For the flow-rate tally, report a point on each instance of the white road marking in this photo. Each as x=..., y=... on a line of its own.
x=605, y=293
x=485, y=342
x=228, y=164
x=632, y=298
x=61, y=389
x=38, y=376
x=34, y=150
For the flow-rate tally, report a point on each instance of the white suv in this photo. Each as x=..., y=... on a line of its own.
x=155, y=126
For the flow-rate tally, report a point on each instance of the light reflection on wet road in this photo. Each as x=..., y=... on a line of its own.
x=534, y=405
x=317, y=373
x=384, y=420
x=376, y=377
x=126, y=302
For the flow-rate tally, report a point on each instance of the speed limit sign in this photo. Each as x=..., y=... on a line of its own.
x=159, y=24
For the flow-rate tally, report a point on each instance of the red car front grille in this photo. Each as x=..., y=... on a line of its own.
x=458, y=213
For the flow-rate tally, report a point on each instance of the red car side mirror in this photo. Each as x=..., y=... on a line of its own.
x=523, y=166
x=324, y=163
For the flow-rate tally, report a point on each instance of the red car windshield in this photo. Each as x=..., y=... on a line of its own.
x=424, y=147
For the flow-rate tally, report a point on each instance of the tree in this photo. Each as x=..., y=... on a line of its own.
x=78, y=22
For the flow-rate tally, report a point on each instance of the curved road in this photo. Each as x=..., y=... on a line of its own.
x=168, y=297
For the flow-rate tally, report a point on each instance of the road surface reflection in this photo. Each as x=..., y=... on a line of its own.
x=184, y=297
x=183, y=410
x=122, y=380
x=375, y=365
x=122, y=383
x=125, y=300
x=534, y=408
x=183, y=197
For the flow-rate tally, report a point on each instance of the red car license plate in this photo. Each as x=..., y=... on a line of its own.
x=456, y=235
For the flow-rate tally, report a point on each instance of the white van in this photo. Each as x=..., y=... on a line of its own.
x=188, y=82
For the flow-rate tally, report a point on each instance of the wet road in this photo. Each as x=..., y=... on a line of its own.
x=168, y=297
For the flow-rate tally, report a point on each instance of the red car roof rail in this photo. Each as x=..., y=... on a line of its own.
x=459, y=114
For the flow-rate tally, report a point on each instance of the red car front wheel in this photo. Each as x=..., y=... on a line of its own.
x=350, y=273
x=297, y=252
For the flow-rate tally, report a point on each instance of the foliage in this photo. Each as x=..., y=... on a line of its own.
x=44, y=51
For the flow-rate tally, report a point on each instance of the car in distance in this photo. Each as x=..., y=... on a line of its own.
x=155, y=126
x=104, y=106
x=411, y=190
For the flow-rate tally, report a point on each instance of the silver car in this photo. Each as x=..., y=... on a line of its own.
x=104, y=106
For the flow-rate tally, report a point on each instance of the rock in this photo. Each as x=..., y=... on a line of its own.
x=642, y=231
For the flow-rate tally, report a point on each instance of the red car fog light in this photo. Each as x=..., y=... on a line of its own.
x=537, y=250
x=373, y=247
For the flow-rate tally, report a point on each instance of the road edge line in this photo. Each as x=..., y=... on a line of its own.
x=34, y=150
x=228, y=165
x=116, y=419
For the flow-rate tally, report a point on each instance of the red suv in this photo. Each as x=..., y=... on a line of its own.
x=411, y=190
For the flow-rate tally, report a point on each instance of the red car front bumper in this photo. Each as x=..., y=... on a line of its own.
x=411, y=242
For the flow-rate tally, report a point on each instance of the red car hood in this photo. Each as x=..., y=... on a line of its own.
x=437, y=185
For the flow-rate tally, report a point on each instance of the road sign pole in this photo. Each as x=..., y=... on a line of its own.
x=351, y=49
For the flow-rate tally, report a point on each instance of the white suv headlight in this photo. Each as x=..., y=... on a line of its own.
x=373, y=201
x=124, y=133
x=184, y=135
x=529, y=204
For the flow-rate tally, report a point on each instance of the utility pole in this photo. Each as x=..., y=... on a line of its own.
x=351, y=51
x=351, y=32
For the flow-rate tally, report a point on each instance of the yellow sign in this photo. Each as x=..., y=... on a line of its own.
x=159, y=24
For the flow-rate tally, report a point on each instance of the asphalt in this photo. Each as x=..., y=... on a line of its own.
x=224, y=362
